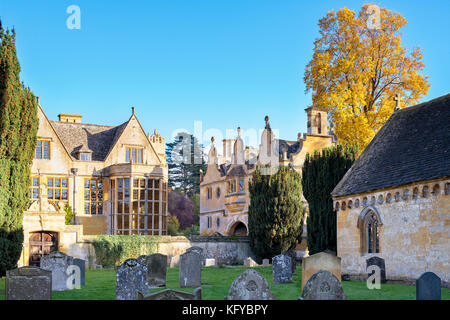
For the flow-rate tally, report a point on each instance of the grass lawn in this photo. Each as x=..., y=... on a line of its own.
x=100, y=285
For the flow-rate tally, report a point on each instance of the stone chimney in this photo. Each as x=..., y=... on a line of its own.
x=65, y=117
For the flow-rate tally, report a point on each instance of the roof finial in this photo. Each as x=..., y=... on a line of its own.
x=132, y=110
x=38, y=100
x=239, y=131
x=266, y=119
x=212, y=139
x=398, y=101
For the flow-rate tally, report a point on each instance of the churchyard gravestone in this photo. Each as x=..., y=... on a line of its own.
x=210, y=262
x=80, y=263
x=320, y=261
x=323, y=285
x=28, y=283
x=170, y=294
x=199, y=250
x=249, y=262
x=293, y=255
x=156, y=269
x=379, y=262
x=190, y=269
x=250, y=285
x=282, y=269
x=265, y=262
x=58, y=263
x=131, y=276
x=428, y=287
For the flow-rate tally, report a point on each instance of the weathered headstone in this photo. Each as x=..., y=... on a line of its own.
x=282, y=269
x=428, y=287
x=265, y=262
x=190, y=269
x=82, y=265
x=320, y=261
x=379, y=262
x=249, y=262
x=28, y=283
x=250, y=285
x=156, y=269
x=293, y=255
x=323, y=285
x=170, y=294
x=58, y=263
x=131, y=276
x=210, y=262
x=199, y=250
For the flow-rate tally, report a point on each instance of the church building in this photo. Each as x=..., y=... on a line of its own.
x=224, y=193
x=113, y=177
x=394, y=202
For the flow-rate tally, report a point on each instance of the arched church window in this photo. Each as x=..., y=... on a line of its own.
x=319, y=123
x=218, y=192
x=370, y=233
x=436, y=190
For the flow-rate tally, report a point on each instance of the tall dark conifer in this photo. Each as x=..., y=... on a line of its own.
x=18, y=129
x=321, y=173
x=275, y=213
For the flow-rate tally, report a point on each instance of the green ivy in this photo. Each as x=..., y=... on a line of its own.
x=113, y=250
x=70, y=215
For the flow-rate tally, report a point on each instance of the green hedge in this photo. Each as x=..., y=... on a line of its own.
x=113, y=250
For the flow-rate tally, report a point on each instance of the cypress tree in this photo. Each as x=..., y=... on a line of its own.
x=18, y=129
x=275, y=213
x=320, y=174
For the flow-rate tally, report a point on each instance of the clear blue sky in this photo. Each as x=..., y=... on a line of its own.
x=226, y=63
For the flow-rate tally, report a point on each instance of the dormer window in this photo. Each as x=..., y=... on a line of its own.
x=85, y=156
x=134, y=155
x=84, y=153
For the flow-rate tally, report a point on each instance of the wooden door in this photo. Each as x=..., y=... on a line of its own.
x=41, y=243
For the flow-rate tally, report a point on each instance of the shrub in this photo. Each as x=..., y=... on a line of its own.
x=113, y=250
x=70, y=215
x=173, y=225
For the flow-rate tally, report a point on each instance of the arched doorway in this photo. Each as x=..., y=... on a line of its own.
x=41, y=243
x=238, y=229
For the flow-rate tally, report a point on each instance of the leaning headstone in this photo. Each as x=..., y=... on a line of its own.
x=323, y=285
x=210, y=262
x=282, y=269
x=250, y=285
x=293, y=255
x=170, y=294
x=249, y=262
x=28, y=283
x=157, y=269
x=82, y=265
x=190, y=269
x=58, y=263
x=320, y=261
x=265, y=262
x=379, y=262
x=428, y=287
x=131, y=276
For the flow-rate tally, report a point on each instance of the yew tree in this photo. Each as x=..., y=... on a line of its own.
x=358, y=67
x=18, y=129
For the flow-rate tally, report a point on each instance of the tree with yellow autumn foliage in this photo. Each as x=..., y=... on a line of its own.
x=358, y=67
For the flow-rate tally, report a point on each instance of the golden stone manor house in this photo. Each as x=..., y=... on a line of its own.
x=224, y=193
x=113, y=177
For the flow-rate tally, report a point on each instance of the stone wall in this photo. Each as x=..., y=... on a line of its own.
x=224, y=249
x=414, y=236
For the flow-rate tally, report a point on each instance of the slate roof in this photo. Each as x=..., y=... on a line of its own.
x=237, y=171
x=97, y=138
x=290, y=146
x=413, y=145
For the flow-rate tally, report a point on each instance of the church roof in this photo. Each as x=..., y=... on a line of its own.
x=413, y=145
x=97, y=138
